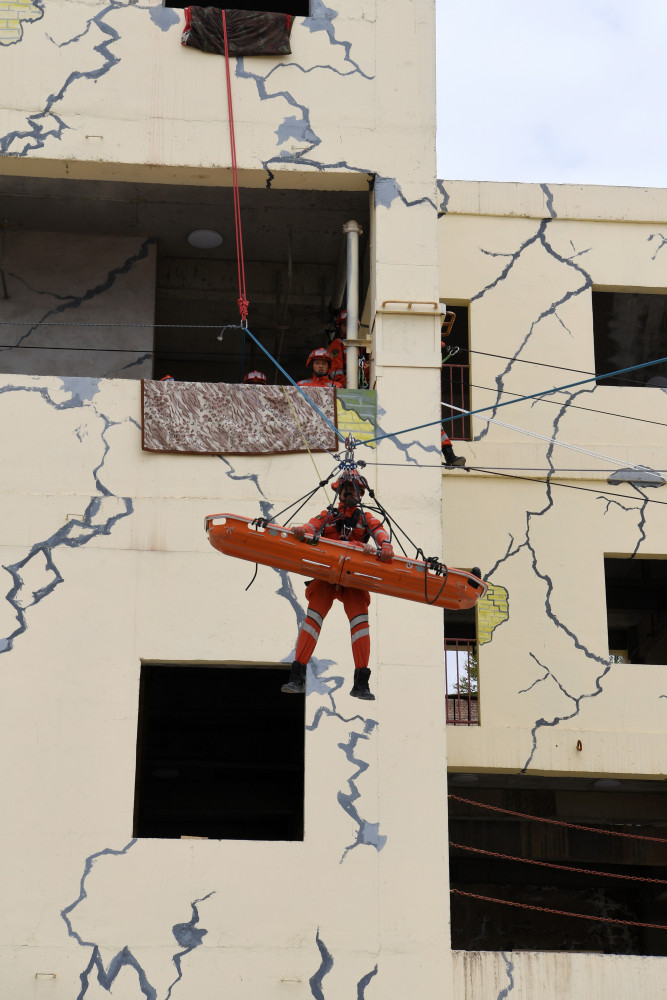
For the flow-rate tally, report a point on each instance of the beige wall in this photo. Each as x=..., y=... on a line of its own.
x=107, y=564
x=527, y=269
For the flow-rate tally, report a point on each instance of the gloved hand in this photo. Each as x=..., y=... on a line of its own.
x=386, y=552
x=300, y=532
x=369, y=548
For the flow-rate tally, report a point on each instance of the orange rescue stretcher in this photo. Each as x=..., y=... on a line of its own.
x=343, y=564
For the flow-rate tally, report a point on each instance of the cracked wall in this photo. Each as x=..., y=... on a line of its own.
x=528, y=272
x=61, y=288
x=106, y=563
x=105, y=558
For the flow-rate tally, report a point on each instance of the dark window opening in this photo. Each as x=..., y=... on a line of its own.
x=635, y=808
x=461, y=668
x=297, y=8
x=220, y=754
x=637, y=609
x=630, y=328
x=455, y=379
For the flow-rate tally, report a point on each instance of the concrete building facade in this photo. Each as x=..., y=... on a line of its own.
x=174, y=825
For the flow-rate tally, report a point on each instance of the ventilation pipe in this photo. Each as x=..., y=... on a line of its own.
x=352, y=231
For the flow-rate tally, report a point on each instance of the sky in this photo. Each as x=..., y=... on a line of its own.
x=553, y=91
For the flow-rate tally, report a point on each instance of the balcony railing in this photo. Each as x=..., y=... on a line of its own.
x=461, y=682
x=456, y=390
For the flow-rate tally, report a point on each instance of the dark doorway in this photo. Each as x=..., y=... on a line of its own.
x=220, y=754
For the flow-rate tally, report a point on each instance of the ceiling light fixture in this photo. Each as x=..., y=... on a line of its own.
x=204, y=239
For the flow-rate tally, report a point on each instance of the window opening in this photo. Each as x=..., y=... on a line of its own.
x=636, y=592
x=585, y=883
x=455, y=378
x=220, y=754
x=297, y=8
x=630, y=328
x=461, y=668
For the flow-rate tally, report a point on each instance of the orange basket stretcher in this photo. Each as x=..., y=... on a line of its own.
x=342, y=564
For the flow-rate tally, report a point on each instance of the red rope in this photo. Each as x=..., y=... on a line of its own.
x=561, y=913
x=556, y=822
x=561, y=868
x=242, y=300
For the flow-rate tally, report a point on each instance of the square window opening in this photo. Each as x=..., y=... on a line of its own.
x=636, y=592
x=220, y=754
x=630, y=328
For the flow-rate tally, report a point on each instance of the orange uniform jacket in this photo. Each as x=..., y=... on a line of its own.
x=336, y=380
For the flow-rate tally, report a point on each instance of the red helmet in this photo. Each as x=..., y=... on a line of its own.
x=341, y=317
x=167, y=378
x=351, y=476
x=255, y=378
x=319, y=352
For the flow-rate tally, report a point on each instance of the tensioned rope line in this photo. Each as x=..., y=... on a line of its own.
x=510, y=402
x=539, y=364
x=574, y=406
x=556, y=441
x=567, y=486
x=560, y=913
x=562, y=868
x=212, y=354
x=305, y=441
x=555, y=822
x=339, y=435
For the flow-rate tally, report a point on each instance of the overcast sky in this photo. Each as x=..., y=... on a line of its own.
x=560, y=91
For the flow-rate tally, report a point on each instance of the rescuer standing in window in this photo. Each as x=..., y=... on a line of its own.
x=345, y=523
x=321, y=361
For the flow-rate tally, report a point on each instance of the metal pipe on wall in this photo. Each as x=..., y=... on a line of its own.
x=352, y=231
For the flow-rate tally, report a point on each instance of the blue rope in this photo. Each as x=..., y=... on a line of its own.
x=520, y=399
x=339, y=435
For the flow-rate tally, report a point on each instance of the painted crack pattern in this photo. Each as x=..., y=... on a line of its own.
x=102, y=513
x=584, y=282
x=592, y=681
x=509, y=969
x=663, y=240
x=327, y=686
x=602, y=664
x=297, y=129
x=188, y=936
x=47, y=124
x=326, y=965
x=70, y=301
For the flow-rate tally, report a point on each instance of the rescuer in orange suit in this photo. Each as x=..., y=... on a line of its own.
x=321, y=361
x=255, y=378
x=451, y=460
x=345, y=523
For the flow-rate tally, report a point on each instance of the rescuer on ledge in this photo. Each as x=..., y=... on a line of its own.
x=321, y=362
x=345, y=523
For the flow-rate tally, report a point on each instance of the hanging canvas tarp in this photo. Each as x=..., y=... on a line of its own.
x=249, y=33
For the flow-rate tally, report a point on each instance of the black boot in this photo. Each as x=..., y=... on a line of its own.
x=297, y=679
x=360, y=689
x=450, y=458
